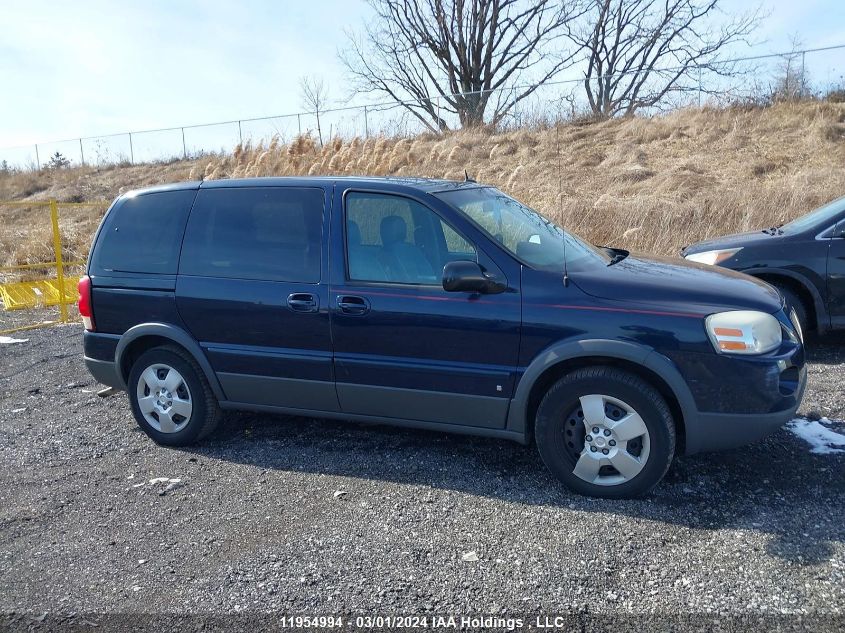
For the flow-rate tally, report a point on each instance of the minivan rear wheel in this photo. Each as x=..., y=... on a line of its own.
x=171, y=398
x=605, y=432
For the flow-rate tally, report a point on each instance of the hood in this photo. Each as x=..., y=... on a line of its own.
x=730, y=241
x=677, y=284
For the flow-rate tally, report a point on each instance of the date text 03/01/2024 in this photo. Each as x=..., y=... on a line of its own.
x=423, y=622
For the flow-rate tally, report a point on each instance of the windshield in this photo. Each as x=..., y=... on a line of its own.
x=821, y=218
x=535, y=240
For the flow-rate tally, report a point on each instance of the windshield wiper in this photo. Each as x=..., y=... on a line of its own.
x=775, y=230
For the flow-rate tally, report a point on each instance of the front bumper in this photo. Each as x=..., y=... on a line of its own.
x=721, y=431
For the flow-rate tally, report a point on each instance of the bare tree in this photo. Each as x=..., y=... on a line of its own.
x=314, y=97
x=440, y=57
x=792, y=81
x=641, y=51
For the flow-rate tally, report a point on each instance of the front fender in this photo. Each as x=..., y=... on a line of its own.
x=822, y=318
x=563, y=351
x=178, y=336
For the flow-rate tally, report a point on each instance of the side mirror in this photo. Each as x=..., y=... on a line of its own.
x=467, y=276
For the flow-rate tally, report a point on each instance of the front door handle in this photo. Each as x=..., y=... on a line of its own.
x=303, y=302
x=350, y=304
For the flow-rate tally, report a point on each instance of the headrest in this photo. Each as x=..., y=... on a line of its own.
x=393, y=230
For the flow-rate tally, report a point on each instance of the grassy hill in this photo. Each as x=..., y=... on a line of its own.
x=649, y=184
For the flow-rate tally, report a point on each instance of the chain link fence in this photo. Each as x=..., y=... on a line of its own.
x=814, y=72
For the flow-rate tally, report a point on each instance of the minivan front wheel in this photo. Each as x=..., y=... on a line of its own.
x=605, y=432
x=793, y=301
x=171, y=398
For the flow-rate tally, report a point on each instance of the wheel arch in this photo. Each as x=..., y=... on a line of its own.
x=562, y=358
x=802, y=286
x=140, y=338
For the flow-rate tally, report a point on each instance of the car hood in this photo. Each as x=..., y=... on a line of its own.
x=734, y=240
x=678, y=285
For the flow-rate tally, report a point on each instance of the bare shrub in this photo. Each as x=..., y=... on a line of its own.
x=718, y=171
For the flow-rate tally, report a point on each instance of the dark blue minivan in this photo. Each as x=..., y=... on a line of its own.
x=430, y=304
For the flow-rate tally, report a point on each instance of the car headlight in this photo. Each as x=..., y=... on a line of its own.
x=744, y=332
x=713, y=257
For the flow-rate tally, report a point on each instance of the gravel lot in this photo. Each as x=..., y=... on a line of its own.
x=298, y=516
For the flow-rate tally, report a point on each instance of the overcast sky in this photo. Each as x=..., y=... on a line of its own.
x=88, y=67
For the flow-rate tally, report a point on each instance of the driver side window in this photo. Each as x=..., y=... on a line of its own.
x=392, y=239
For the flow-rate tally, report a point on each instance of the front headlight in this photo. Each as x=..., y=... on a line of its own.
x=744, y=332
x=713, y=257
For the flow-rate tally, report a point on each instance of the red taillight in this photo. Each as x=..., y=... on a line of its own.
x=85, y=310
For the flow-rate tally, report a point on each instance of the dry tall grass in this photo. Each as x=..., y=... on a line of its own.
x=648, y=184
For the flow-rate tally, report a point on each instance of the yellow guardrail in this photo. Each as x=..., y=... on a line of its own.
x=51, y=291
x=47, y=292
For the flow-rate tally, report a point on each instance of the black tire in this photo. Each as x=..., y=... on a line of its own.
x=205, y=414
x=795, y=302
x=557, y=431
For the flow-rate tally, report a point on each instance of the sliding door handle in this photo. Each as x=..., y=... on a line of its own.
x=303, y=302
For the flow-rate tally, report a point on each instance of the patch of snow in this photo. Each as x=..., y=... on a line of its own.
x=822, y=440
x=8, y=340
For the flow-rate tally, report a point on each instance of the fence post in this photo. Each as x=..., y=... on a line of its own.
x=57, y=247
x=37, y=160
x=803, y=76
x=131, y=150
x=366, y=124
x=81, y=152
x=299, y=124
x=240, y=134
x=184, y=147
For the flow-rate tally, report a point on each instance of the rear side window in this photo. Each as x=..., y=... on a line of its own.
x=264, y=233
x=143, y=233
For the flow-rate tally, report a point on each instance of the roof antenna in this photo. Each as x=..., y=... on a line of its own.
x=560, y=199
x=466, y=177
